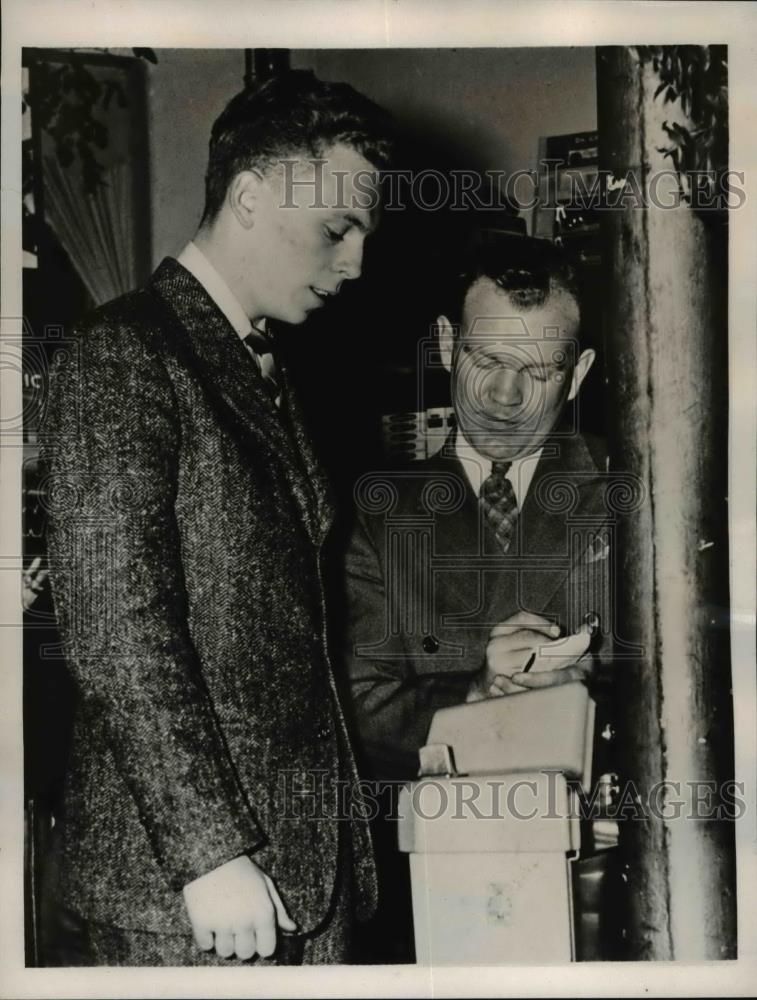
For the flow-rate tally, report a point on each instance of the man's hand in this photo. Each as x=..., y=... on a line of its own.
x=525, y=639
x=560, y=662
x=509, y=649
x=236, y=908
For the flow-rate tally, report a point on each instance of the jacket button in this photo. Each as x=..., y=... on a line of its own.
x=430, y=643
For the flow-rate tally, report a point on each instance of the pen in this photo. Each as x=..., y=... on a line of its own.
x=591, y=619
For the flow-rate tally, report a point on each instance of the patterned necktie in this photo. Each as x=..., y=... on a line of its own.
x=500, y=506
x=261, y=352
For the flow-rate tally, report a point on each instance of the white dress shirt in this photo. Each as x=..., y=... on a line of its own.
x=478, y=468
x=198, y=265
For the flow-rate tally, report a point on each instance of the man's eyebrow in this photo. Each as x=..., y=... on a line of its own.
x=490, y=351
x=358, y=223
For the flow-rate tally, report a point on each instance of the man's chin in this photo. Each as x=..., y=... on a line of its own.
x=294, y=317
x=506, y=454
x=497, y=450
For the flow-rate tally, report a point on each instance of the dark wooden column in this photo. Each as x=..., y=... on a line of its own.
x=666, y=342
x=262, y=64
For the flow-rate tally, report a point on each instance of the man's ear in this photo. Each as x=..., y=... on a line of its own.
x=446, y=341
x=242, y=196
x=584, y=363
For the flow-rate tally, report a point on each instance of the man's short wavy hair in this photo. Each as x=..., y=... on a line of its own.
x=526, y=269
x=291, y=113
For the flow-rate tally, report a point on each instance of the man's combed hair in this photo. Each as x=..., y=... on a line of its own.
x=293, y=112
x=528, y=270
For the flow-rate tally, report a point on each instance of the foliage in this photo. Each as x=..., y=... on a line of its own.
x=65, y=99
x=697, y=77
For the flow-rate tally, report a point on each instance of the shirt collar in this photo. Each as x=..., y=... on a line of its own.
x=478, y=468
x=198, y=265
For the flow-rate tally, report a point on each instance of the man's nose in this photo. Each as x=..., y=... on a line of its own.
x=504, y=388
x=350, y=260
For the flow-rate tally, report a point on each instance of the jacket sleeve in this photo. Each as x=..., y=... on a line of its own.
x=393, y=702
x=111, y=445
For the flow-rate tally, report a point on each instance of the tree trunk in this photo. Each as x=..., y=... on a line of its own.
x=666, y=337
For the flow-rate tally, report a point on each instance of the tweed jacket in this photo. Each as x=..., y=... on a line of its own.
x=426, y=582
x=186, y=519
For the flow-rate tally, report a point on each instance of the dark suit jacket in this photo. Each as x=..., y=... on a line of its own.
x=426, y=582
x=186, y=518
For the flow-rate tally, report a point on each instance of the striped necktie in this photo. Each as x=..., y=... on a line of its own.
x=497, y=498
x=260, y=349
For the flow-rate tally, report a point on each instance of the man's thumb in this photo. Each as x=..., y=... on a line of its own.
x=283, y=919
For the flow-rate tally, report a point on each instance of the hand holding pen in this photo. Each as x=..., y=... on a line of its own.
x=527, y=651
x=561, y=661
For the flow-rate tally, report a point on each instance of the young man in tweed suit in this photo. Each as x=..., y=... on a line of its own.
x=186, y=518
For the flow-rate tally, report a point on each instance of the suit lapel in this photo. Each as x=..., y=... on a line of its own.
x=456, y=531
x=540, y=556
x=321, y=497
x=565, y=490
x=463, y=590
x=205, y=341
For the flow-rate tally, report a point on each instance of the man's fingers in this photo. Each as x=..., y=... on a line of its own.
x=224, y=944
x=239, y=902
x=204, y=939
x=283, y=919
x=266, y=936
x=523, y=641
x=542, y=628
x=503, y=685
x=563, y=653
x=245, y=944
x=551, y=678
x=526, y=619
